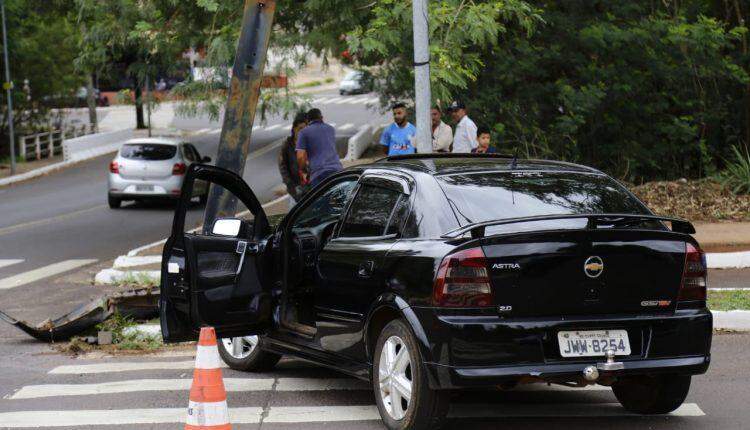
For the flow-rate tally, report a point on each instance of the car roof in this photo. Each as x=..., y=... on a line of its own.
x=154, y=140
x=446, y=164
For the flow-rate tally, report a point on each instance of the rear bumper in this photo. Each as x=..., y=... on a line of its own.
x=127, y=189
x=465, y=351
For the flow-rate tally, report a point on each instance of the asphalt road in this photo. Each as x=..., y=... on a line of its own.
x=64, y=217
x=38, y=389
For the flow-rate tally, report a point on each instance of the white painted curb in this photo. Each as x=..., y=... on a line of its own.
x=127, y=261
x=732, y=320
x=113, y=276
x=728, y=260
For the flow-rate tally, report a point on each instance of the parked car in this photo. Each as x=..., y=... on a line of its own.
x=429, y=273
x=356, y=82
x=153, y=168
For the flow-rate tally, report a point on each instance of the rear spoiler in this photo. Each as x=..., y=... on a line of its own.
x=477, y=230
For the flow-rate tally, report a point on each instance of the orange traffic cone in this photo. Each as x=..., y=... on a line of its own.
x=208, y=398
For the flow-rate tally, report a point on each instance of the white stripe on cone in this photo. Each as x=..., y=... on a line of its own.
x=208, y=414
x=207, y=358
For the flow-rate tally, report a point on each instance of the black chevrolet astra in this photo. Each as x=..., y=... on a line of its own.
x=428, y=273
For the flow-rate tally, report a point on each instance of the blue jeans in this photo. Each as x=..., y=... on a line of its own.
x=322, y=176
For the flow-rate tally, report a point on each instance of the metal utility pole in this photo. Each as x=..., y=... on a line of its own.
x=244, y=90
x=9, y=89
x=423, y=96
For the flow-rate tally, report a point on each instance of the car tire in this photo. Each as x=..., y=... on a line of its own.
x=342, y=93
x=114, y=202
x=250, y=357
x=651, y=395
x=426, y=408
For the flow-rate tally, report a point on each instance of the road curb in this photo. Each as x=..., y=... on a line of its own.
x=732, y=320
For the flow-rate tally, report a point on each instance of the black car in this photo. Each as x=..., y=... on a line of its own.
x=428, y=273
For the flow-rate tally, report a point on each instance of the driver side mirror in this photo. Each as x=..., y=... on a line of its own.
x=206, y=160
x=229, y=227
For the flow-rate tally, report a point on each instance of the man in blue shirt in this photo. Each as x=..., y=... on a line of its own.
x=316, y=148
x=398, y=138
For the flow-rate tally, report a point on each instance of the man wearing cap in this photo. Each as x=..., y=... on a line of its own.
x=465, y=139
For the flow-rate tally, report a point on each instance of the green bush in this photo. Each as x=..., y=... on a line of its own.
x=737, y=174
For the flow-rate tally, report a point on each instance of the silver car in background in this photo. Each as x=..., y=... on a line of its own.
x=152, y=168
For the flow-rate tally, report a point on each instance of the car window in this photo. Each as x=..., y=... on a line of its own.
x=327, y=206
x=188, y=153
x=370, y=212
x=195, y=152
x=148, y=151
x=399, y=216
x=489, y=196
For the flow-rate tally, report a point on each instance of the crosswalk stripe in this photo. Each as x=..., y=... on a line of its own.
x=324, y=413
x=346, y=126
x=81, y=369
x=42, y=273
x=231, y=384
x=203, y=131
x=322, y=100
x=215, y=131
x=272, y=127
x=338, y=101
x=9, y=262
x=358, y=100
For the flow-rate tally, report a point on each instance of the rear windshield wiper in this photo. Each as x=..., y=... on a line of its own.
x=478, y=229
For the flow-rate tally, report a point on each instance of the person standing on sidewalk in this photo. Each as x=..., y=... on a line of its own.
x=442, y=134
x=289, y=169
x=316, y=149
x=465, y=139
x=398, y=138
x=484, y=139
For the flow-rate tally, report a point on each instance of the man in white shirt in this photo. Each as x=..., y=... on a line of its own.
x=466, y=131
x=442, y=133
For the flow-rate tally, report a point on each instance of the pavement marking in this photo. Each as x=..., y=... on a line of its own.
x=43, y=272
x=346, y=126
x=358, y=100
x=272, y=127
x=12, y=228
x=338, y=101
x=287, y=127
x=231, y=384
x=215, y=131
x=729, y=289
x=322, y=100
x=10, y=262
x=128, y=366
x=73, y=418
x=324, y=413
x=203, y=131
x=265, y=150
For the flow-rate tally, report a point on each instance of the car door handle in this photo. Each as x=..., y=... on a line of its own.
x=365, y=269
x=241, y=249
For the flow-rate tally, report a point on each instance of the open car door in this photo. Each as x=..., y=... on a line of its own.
x=215, y=276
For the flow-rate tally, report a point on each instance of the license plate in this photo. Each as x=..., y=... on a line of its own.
x=593, y=343
x=144, y=188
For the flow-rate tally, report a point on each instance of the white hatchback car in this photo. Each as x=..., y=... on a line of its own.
x=152, y=168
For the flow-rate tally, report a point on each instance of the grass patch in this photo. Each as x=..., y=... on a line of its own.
x=729, y=300
x=137, y=279
x=128, y=340
x=330, y=80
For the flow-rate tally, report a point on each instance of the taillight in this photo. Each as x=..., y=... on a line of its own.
x=114, y=167
x=693, y=286
x=463, y=281
x=179, y=169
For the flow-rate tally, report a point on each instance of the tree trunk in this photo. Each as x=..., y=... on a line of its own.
x=139, y=122
x=91, y=100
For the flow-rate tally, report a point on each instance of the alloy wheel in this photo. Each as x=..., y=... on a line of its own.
x=240, y=347
x=395, y=377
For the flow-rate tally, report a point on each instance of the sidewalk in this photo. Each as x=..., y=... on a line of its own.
x=723, y=237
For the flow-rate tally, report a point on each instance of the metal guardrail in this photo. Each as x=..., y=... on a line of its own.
x=49, y=144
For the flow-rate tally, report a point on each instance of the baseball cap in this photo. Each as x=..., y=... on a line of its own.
x=457, y=104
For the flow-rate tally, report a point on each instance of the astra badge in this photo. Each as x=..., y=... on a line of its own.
x=593, y=267
x=506, y=266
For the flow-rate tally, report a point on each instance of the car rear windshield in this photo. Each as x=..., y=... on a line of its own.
x=148, y=151
x=489, y=196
